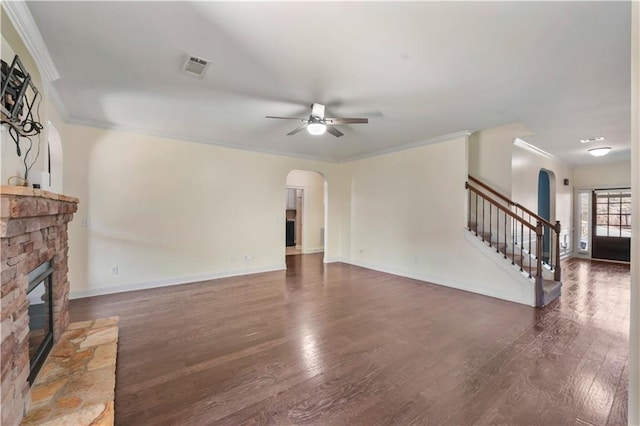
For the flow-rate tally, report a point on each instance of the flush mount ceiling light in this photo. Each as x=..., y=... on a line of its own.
x=596, y=139
x=599, y=152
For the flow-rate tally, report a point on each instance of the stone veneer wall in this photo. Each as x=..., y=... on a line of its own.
x=33, y=230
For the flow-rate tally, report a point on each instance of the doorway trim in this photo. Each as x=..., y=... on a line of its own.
x=299, y=228
x=306, y=249
x=578, y=252
x=54, y=158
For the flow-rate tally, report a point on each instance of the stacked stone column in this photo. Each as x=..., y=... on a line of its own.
x=33, y=230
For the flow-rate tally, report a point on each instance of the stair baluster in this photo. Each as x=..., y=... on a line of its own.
x=505, y=235
x=483, y=234
x=490, y=224
x=521, y=245
x=529, y=256
x=498, y=231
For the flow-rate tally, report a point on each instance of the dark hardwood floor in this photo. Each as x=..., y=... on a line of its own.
x=338, y=344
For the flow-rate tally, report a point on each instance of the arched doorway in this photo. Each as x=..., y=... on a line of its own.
x=305, y=213
x=546, y=207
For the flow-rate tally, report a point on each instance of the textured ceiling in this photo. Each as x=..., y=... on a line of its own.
x=416, y=70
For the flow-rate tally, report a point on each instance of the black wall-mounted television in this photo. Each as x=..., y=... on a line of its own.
x=18, y=93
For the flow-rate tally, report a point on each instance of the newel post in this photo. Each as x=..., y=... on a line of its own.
x=557, y=273
x=539, y=280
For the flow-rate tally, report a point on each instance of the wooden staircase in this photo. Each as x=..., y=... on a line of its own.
x=522, y=238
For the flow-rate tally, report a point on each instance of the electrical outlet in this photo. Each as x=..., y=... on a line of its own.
x=114, y=270
x=247, y=257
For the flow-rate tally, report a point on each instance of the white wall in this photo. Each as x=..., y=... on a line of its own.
x=408, y=217
x=526, y=166
x=313, y=210
x=600, y=176
x=167, y=211
x=490, y=155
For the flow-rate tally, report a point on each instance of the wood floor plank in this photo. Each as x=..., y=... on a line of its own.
x=619, y=407
x=339, y=344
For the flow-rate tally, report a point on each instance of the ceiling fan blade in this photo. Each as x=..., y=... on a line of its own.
x=338, y=120
x=286, y=118
x=298, y=130
x=335, y=132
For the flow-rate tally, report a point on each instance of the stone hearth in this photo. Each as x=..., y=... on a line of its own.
x=77, y=383
x=33, y=230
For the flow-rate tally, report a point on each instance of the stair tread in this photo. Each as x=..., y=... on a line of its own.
x=550, y=285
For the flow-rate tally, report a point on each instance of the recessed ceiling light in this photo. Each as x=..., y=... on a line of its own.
x=599, y=152
x=596, y=139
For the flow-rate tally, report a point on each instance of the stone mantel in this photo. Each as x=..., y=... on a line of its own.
x=33, y=230
x=25, y=191
x=19, y=202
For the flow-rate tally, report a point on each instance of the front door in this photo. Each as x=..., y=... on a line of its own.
x=612, y=224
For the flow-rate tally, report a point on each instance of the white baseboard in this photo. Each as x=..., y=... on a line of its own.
x=566, y=255
x=172, y=281
x=470, y=287
x=334, y=259
x=313, y=250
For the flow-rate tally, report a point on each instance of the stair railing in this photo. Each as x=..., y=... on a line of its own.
x=550, y=247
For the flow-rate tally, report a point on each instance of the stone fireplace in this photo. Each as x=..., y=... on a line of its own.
x=33, y=232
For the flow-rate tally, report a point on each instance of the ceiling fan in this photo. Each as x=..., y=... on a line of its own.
x=317, y=123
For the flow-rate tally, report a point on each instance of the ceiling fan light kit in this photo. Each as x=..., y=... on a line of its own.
x=317, y=124
x=316, y=128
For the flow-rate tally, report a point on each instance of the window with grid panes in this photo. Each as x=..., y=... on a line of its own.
x=613, y=213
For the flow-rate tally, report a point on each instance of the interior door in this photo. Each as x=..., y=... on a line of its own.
x=611, y=224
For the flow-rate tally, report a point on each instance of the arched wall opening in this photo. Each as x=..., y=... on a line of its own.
x=546, y=205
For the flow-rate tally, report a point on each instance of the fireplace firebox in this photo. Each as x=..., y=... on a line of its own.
x=40, y=296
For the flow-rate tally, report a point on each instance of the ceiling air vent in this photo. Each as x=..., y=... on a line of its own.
x=196, y=66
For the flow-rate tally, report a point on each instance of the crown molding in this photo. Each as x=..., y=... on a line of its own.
x=436, y=139
x=128, y=129
x=165, y=135
x=25, y=25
